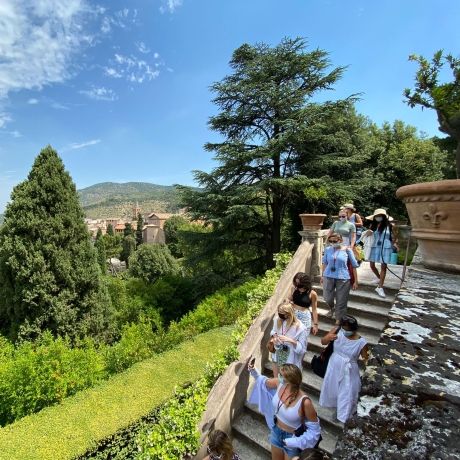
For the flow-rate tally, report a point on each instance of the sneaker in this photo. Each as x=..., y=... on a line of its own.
x=380, y=291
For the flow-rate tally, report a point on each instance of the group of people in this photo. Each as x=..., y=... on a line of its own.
x=340, y=259
x=285, y=406
x=289, y=412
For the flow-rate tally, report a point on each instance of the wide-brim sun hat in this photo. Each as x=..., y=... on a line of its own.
x=379, y=211
x=349, y=206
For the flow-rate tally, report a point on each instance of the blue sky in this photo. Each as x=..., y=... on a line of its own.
x=121, y=88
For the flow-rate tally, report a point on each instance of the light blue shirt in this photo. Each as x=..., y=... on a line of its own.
x=338, y=258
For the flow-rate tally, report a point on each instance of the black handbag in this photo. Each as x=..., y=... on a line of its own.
x=319, y=363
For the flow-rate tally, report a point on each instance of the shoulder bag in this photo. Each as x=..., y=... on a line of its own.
x=319, y=363
x=302, y=428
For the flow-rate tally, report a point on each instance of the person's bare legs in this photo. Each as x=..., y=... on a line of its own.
x=383, y=274
x=277, y=453
x=374, y=269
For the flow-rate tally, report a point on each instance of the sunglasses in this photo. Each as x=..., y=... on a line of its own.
x=334, y=241
x=342, y=217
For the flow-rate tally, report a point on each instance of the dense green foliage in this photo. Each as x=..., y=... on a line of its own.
x=80, y=422
x=171, y=229
x=151, y=261
x=264, y=111
x=283, y=154
x=49, y=275
x=99, y=244
x=128, y=248
x=35, y=375
x=174, y=433
x=444, y=98
x=139, y=227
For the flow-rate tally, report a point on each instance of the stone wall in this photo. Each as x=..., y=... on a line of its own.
x=230, y=392
x=409, y=404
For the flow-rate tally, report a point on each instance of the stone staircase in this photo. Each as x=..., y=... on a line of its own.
x=249, y=430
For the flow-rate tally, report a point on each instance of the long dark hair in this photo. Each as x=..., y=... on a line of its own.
x=381, y=226
x=302, y=280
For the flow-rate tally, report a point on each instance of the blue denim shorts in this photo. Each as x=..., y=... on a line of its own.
x=277, y=436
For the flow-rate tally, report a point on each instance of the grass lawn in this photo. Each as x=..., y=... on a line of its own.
x=81, y=421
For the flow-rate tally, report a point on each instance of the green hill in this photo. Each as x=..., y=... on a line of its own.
x=110, y=199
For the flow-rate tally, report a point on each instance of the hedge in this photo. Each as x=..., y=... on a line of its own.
x=82, y=421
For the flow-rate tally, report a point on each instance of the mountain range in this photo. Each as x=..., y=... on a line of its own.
x=111, y=199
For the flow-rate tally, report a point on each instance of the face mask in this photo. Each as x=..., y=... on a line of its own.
x=348, y=333
x=379, y=219
x=337, y=245
x=281, y=316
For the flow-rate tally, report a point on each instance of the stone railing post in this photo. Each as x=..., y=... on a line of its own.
x=317, y=238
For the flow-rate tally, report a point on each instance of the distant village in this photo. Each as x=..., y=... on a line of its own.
x=152, y=230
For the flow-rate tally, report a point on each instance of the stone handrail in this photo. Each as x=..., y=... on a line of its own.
x=227, y=397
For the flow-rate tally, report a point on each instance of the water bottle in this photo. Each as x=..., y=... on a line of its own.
x=394, y=258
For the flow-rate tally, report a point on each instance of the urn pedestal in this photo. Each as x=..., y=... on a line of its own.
x=434, y=212
x=312, y=221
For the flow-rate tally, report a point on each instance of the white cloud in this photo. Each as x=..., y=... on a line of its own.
x=16, y=134
x=100, y=94
x=82, y=145
x=121, y=18
x=38, y=39
x=4, y=119
x=111, y=72
x=133, y=69
x=32, y=101
x=170, y=5
x=59, y=106
x=143, y=48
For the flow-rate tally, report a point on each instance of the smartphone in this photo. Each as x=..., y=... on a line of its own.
x=253, y=360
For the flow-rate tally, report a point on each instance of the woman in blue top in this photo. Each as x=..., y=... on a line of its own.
x=382, y=245
x=336, y=277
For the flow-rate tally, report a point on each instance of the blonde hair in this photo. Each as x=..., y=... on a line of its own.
x=219, y=443
x=293, y=376
x=285, y=308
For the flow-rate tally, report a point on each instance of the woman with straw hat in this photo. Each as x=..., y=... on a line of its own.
x=382, y=244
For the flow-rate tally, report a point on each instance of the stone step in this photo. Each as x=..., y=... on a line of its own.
x=251, y=431
x=365, y=296
x=362, y=309
x=247, y=451
x=365, y=324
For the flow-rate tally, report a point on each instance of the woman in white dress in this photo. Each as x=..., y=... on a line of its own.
x=290, y=337
x=342, y=382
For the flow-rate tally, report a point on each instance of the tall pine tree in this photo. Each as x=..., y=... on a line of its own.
x=49, y=275
x=265, y=110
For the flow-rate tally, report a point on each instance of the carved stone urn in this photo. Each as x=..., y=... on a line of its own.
x=434, y=212
x=312, y=221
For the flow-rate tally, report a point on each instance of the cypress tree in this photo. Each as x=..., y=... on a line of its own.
x=140, y=226
x=101, y=253
x=49, y=275
x=110, y=230
x=129, y=246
